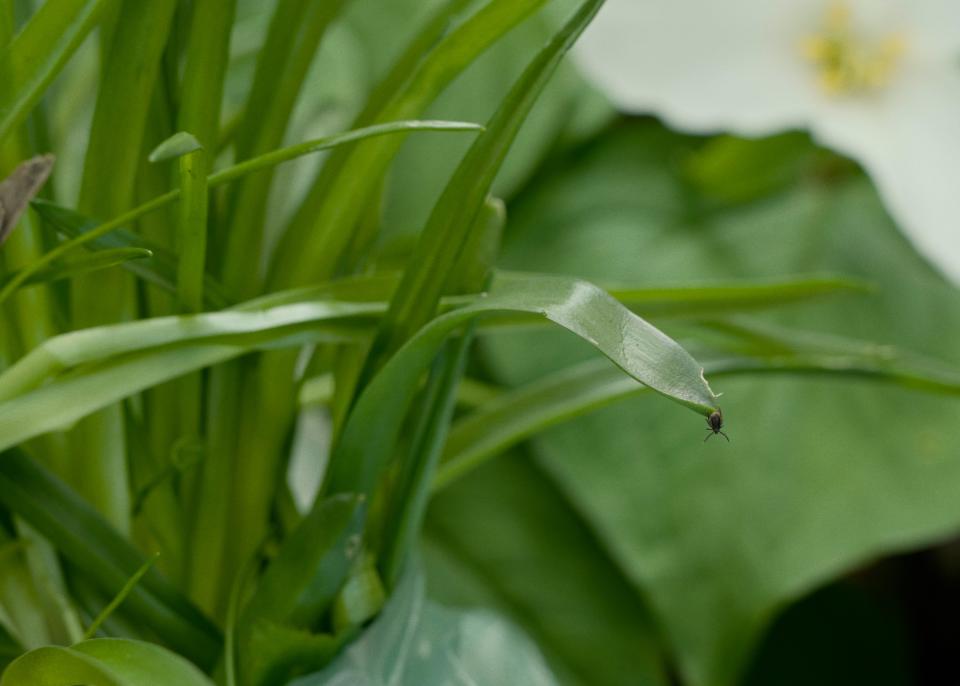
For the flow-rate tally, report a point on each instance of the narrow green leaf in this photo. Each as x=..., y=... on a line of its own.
x=585, y=310
x=519, y=414
x=91, y=544
x=301, y=582
x=160, y=270
x=448, y=229
x=38, y=52
x=179, y=144
x=315, y=240
x=634, y=345
x=204, y=70
x=732, y=296
x=265, y=125
x=232, y=173
x=119, y=598
x=103, y=259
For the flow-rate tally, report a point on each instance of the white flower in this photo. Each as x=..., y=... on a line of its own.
x=877, y=80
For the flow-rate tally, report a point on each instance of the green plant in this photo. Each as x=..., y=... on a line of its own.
x=163, y=333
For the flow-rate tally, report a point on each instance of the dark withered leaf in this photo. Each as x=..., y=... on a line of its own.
x=18, y=189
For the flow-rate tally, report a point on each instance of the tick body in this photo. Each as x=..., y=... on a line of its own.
x=715, y=424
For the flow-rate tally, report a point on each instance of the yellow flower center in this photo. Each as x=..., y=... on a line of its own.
x=847, y=62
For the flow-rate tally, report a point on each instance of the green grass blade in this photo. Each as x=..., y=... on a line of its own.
x=710, y=299
x=248, y=207
x=231, y=174
x=521, y=413
x=301, y=582
x=30, y=62
x=583, y=309
x=82, y=536
x=119, y=598
x=205, y=70
x=636, y=346
x=313, y=244
x=88, y=346
x=448, y=229
x=85, y=264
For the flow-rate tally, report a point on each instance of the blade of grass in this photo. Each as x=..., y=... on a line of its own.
x=204, y=71
x=409, y=492
x=266, y=130
x=318, y=235
x=85, y=264
x=160, y=270
x=447, y=231
x=39, y=51
x=93, y=546
x=634, y=345
x=523, y=412
x=98, y=465
x=232, y=173
x=119, y=598
x=585, y=310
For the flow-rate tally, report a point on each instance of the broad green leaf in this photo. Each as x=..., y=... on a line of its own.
x=106, y=559
x=506, y=539
x=415, y=641
x=103, y=662
x=838, y=635
x=38, y=52
x=820, y=474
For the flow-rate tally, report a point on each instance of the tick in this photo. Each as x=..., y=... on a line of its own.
x=714, y=424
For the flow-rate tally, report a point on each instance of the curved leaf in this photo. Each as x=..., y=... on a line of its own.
x=631, y=343
x=103, y=662
x=637, y=347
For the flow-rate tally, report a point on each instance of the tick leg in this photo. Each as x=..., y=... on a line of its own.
x=708, y=436
x=724, y=435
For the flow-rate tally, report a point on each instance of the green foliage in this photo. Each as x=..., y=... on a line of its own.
x=196, y=291
x=103, y=662
x=820, y=474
